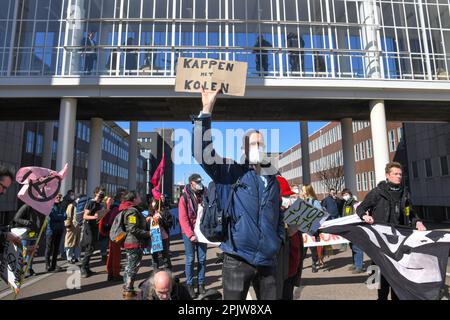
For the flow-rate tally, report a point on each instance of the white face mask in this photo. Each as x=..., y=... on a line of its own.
x=198, y=186
x=256, y=155
x=285, y=202
x=346, y=197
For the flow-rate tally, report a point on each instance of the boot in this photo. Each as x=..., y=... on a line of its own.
x=129, y=294
x=201, y=289
x=191, y=290
x=314, y=268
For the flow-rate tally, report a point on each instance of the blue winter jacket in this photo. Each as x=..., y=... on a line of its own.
x=56, y=219
x=257, y=227
x=330, y=205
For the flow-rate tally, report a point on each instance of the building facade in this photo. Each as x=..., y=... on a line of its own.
x=29, y=151
x=327, y=161
x=300, y=38
x=428, y=148
x=152, y=150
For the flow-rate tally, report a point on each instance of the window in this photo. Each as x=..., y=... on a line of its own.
x=369, y=149
x=356, y=152
x=428, y=169
x=415, y=169
x=358, y=182
x=363, y=150
x=371, y=179
x=54, y=147
x=391, y=136
x=444, y=166
x=364, y=181
x=39, y=144
x=30, y=142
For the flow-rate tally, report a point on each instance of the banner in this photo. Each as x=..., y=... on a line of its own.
x=157, y=244
x=193, y=74
x=305, y=215
x=12, y=265
x=176, y=229
x=413, y=262
x=326, y=239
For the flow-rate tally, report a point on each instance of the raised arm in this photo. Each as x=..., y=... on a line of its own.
x=202, y=146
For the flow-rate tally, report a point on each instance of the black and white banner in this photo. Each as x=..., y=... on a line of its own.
x=413, y=262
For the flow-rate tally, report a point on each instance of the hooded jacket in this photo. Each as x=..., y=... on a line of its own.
x=187, y=211
x=382, y=206
x=135, y=224
x=256, y=229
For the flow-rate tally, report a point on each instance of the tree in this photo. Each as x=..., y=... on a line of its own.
x=332, y=178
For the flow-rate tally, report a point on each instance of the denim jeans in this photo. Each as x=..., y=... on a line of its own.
x=190, y=249
x=238, y=275
x=358, y=256
x=73, y=253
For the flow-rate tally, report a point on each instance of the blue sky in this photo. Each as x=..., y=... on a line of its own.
x=289, y=135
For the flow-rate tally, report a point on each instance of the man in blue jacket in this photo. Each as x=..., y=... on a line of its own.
x=256, y=229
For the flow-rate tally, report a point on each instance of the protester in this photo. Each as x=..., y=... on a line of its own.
x=93, y=212
x=289, y=262
x=330, y=204
x=262, y=56
x=349, y=209
x=188, y=208
x=73, y=233
x=29, y=218
x=256, y=227
x=389, y=202
x=162, y=286
x=6, y=180
x=90, y=55
x=309, y=195
x=159, y=211
x=114, y=249
x=55, y=229
x=135, y=240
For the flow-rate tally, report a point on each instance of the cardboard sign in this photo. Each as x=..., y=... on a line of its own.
x=326, y=239
x=157, y=244
x=12, y=265
x=193, y=74
x=305, y=215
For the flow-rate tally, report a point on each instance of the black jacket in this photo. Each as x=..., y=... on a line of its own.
x=135, y=223
x=27, y=217
x=380, y=204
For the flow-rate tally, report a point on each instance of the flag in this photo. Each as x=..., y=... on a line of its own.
x=157, y=177
x=413, y=262
x=40, y=187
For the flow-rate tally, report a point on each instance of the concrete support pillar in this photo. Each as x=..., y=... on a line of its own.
x=95, y=155
x=132, y=156
x=48, y=142
x=66, y=140
x=379, y=138
x=348, y=155
x=304, y=137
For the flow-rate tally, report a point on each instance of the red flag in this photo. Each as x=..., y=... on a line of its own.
x=157, y=177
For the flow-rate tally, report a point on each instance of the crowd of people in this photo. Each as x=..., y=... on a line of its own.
x=259, y=249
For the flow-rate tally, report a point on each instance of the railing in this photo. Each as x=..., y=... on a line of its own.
x=146, y=61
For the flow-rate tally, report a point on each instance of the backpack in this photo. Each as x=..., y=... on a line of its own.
x=215, y=220
x=79, y=210
x=118, y=233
